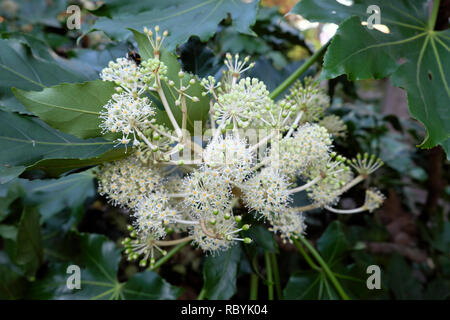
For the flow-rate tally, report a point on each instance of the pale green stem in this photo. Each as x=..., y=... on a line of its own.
x=325, y=268
x=276, y=276
x=302, y=69
x=269, y=275
x=170, y=254
x=434, y=14
x=253, y=286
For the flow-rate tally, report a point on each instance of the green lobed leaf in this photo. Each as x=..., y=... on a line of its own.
x=100, y=259
x=219, y=274
x=26, y=141
x=70, y=108
x=362, y=53
x=353, y=53
x=181, y=18
x=23, y=68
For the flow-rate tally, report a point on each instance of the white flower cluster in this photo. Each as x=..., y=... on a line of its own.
x=246, y=101
x=206, y=198
x=310, y=144
x=126, y=182
x=126, y=115
x=267, y=192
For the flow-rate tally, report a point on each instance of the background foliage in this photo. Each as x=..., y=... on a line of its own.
x=52, y=217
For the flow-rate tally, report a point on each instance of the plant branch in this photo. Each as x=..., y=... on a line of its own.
x=253, y=286
x=306, y=256
x=269, y=275
x=302, y=69
x=171, y=253
x=276, y=276
x=434, y=14
x=325, y=268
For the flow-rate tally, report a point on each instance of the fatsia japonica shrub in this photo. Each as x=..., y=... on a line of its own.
x=250, y=153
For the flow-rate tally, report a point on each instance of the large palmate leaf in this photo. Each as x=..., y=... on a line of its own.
x=31, y=69
x=100, y=260
x=197, y=111
x=25, y=141
x=407, y=50
x=219, y=274
x=181, y=18
x=71, y=108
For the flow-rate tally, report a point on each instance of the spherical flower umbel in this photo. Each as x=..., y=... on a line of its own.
x=247, y=100
x=287, y=224
x=126, y=182
x=126, y=115
x=331, y=177
x=211, y=235
x=267, y=192
x=231, y=156
x=153, y=213
x=311, y=143
x=374, y=199
x=207, y=194
x=126, y=75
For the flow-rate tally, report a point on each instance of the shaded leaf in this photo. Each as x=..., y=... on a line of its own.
x=219, y=274
x=12, y=284
x=100, y=259
x=25, y=141
x=262, y=238
x=333, y=243
x=181, y=18
x=9, y=173
x=29, y=252
x=53, y=195
x=401, y=279
x=8, y=194
x=309, y=286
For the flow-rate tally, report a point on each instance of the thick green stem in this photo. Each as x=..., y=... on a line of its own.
x=253, y=286
x=276, y=276
x=202, y=294
x=306, y=256
x=325, y=268
x=302, y=69
x=269, y=275
x=169, y=255
x=434, y=14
